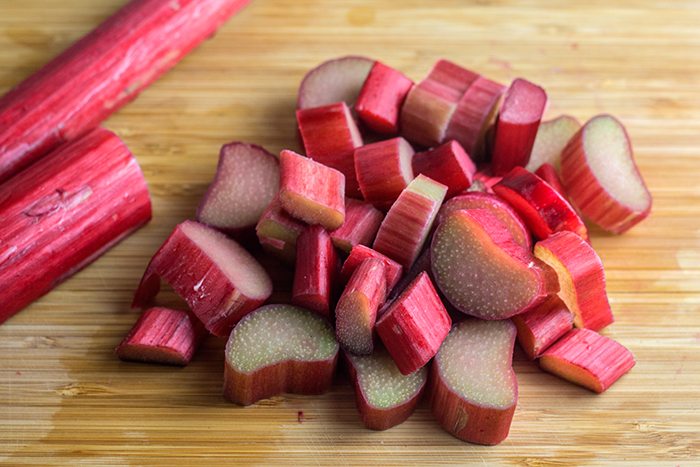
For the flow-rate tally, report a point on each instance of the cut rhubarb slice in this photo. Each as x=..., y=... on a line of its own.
x=384, y=170
x=63, y=212
x=278, y=349
x=277, y=232
x=382, y=97
x=426, y=113
x=447, y=164
x=600, y=175
x=362, y=221
x=360, y=253
x=472, y=386
x=453, y=76
x=552, y=137
x=482, y=271
x=164, y=336
x=588, y=359
x=549, y=174
x=581, y=278
x=315, y=272
x=337, y=80
x=384, y=397
x=219, y=280
x=542, y=326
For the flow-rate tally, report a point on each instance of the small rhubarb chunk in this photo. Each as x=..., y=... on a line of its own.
x=362, y=221
x=316, y=267
x=581, y=278
x=542, y=326
x=164, y=336
x=219, y=279
x=384, y=397
x=426, y=113
x=472, y=386
x=279, y=349
x=588, y=359
x=415, y=325
x=601, y=177
x=384, y=170
x=552, y=137
x=310, y=191
x=448, y=164
x=381, y=98
x=277, y=232
x=336, y=80
x=360, y=253
x=549, y=174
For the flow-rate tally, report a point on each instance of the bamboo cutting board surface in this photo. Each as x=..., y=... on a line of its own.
x=65, y=399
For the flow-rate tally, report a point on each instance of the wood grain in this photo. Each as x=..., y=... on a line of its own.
x=66, y=400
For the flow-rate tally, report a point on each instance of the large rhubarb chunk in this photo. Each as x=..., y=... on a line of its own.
x=426, y=112
x=600, y=175
x=447, y=164
x=581, y=278
x=101, y=73
x=542, y=326
x=337, y=80
x=384, y=397
x=482, y=271
x=219, y=280
x=62, y=213
x=315, y=272
x=472, y=386
x=362, y=221
x=415, y=325
x=384, y=170
x=552, y=137
x=278, y=349
x=588, y=359
x=164, y=336
x=381, y=98
x=360, y=253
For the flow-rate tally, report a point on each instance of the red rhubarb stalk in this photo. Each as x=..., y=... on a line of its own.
x=362, y=220
x=381, y=98
x=316, y=268
x=448, y=164
x=383, y=171
x=542, y=326
x=360, y=253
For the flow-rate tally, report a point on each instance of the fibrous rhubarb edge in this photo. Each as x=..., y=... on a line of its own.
x=315, y=272
x=362, y=221
x=542, y=326
x=448, y=164
x=361, y=252
x=384, y=170
x=381, y=98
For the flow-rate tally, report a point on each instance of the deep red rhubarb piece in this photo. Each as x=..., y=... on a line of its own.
x=65, y=211
x=219, y=280
x=101, y=73
x=381, y=98
x=472, y=387
x=360, y=253
x=588, y=359
x=542, y=326
x=163, y=335
x=362, y=221
x=415, y=325
x=278, y=349
x=447, y=164
x=336, y=80
x=384, y=170
x=549, y=174
x=315, y=272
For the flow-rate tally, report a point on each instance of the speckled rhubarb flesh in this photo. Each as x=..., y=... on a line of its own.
x=448, y=164
x=472, y=387
x=219, y=280
x=336, y=80
x=381, y=98
x=279, y=349
x=482, y=271
x=384, y=170
x=360, y=253
x=601, y=177
x=552, y=137
x=588, y=359
x=542, y=326
x=63, y=212
x=362, y=221
x=315, y=272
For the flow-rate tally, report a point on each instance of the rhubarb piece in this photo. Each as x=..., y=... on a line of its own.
x=279, y=349
x=381, y=98
x=426, y=113
x=337, y=80
x=164, y=336
x=499, y=208
x=330, y=137
x=600, y=175
x=482, y=271
x=475, y=113
x=219, y=280
x=581, y=278
x=453, y=76
x=552, y=137
x=549, y=174
x=315, y=271
x=310, y=191
x=277, y=232
x=62, y=213
x=447, y=164
x=543, y=209
x=384, y=397
x=516, y=127
x=360, y=253
x=356, y=311
x=542, y=326
x=472, y=387
x=409, y=221
x=101, y=73
x=362, y=221
x=485, y=175
x=383, y=171
x=414, y=326
x=246, y=180
x=588, y=359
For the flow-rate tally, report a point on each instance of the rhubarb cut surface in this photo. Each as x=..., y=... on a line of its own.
x=315, y=272
x=542, y=326
x=337, y=80
x=447, y=164
x=552, y=137
x=383, y=171
x=426, y=112
x=362, y=221
x=381, y=98
x=278, y=231
x=360, y=253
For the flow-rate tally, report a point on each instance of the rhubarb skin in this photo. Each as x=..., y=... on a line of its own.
x=552, y=137
x=278, y=231
x=542, y=326
x=581, y=277
x=164, y=336
x=62, y=213
x=219, y=280
x=516, y=126
x=315, y=272
x=102, y=72
x=588, y=359
x=448, y=164
x=426, y=112
x=549, y=174
x=362, y=221
x=381, y=98
x=414, y=326
x=601, y=177
x=384, y=396
x=279, y=349
x=360, y=253
x=453, y=76
x=384, y=170
x=542, y=208
x=472, y=387
x=336, y=80
x=485, y=175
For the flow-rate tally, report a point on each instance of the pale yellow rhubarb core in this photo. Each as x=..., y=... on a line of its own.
x=428, y=187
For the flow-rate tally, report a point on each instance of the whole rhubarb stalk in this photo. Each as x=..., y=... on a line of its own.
x=63, y=212
x=101, y=73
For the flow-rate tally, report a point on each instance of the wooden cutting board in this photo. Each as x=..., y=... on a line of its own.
x=65, y=399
